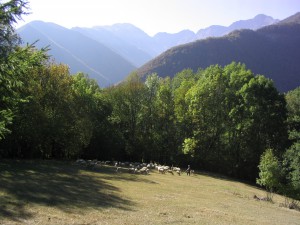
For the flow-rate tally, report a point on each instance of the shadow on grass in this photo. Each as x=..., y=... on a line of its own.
x=54, y=184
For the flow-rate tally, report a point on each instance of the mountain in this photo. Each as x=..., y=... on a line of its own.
x=166, y=40
x=78, y=51
x=133, y=53
x=212, y=31
x=109, y=53
x=291, y=20
x=253, y=24
x=135, y=36
x=272, y=51
x=138, y=47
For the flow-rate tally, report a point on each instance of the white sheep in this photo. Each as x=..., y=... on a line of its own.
x=170, y=171
x=177, y=170
x=144, y=170
x=161, y=169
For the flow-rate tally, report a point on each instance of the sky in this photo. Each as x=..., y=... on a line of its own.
x=153, y=16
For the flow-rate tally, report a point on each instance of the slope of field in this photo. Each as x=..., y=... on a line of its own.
x=50, y=192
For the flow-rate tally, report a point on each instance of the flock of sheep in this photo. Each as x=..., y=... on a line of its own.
x=135, y=168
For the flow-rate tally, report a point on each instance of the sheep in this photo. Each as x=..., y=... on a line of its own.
x=166, y=167
x=161, y=169
x=144, y=170
x=80, y=162
x=177, y=170
x=118, y=170
x=170, y=171
x=131, y=170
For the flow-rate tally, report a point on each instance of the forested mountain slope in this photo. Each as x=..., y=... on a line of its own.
x=170, y=40
x=272, y=51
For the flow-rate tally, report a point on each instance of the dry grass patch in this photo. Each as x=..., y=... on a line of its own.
x=49, y=192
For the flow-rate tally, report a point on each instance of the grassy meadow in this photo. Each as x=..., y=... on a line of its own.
x=54, y=192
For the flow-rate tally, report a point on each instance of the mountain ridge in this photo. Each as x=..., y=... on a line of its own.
x=107, y=53
x=271, y=51
x=81, y=53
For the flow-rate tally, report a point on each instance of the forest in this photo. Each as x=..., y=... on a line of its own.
x=220, y=119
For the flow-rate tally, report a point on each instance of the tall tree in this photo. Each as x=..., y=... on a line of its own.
x=291, y=161
x=127, y=99
x=235, y=116
x=10, y=12
x=91, y=110
x=166, y=130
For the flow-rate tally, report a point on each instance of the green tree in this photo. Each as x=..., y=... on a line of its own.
x=166, y=130
x=10, y=12
x=91, y=111
x=269, y=172
x=149, y=119
x=234, y=116
x=206, y=110
x=258, y=122
x=291, y=160
x=127, y=99
x=45, y=124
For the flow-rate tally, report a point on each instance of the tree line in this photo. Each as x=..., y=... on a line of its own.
x=222, y=119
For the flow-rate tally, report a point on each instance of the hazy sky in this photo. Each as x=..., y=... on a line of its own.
x=154, y=16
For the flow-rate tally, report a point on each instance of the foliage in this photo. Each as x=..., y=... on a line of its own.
x=291, y=162
x=10, y=59
x=221, y=116
x=189, y=146
x=10, y=12
x=59, y=118
x=234, y=116
x=269, y=175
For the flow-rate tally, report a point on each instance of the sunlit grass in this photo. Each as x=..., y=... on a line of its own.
x=49, y=192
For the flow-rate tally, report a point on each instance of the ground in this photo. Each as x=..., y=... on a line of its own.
x=54, y=192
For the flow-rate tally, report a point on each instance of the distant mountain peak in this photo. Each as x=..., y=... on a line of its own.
x=125, y=27
x=262, y=16
x=255, y=23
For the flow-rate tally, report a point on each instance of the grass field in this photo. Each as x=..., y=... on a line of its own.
x=51, y=192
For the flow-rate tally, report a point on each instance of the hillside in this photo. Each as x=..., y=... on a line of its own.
x=272, y=51
x=81, y=53
x=127, y=50
x=53, y=192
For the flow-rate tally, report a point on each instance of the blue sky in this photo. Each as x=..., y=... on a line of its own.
x=154, y=16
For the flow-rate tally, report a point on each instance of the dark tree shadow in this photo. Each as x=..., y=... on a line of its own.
x=54, y=184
